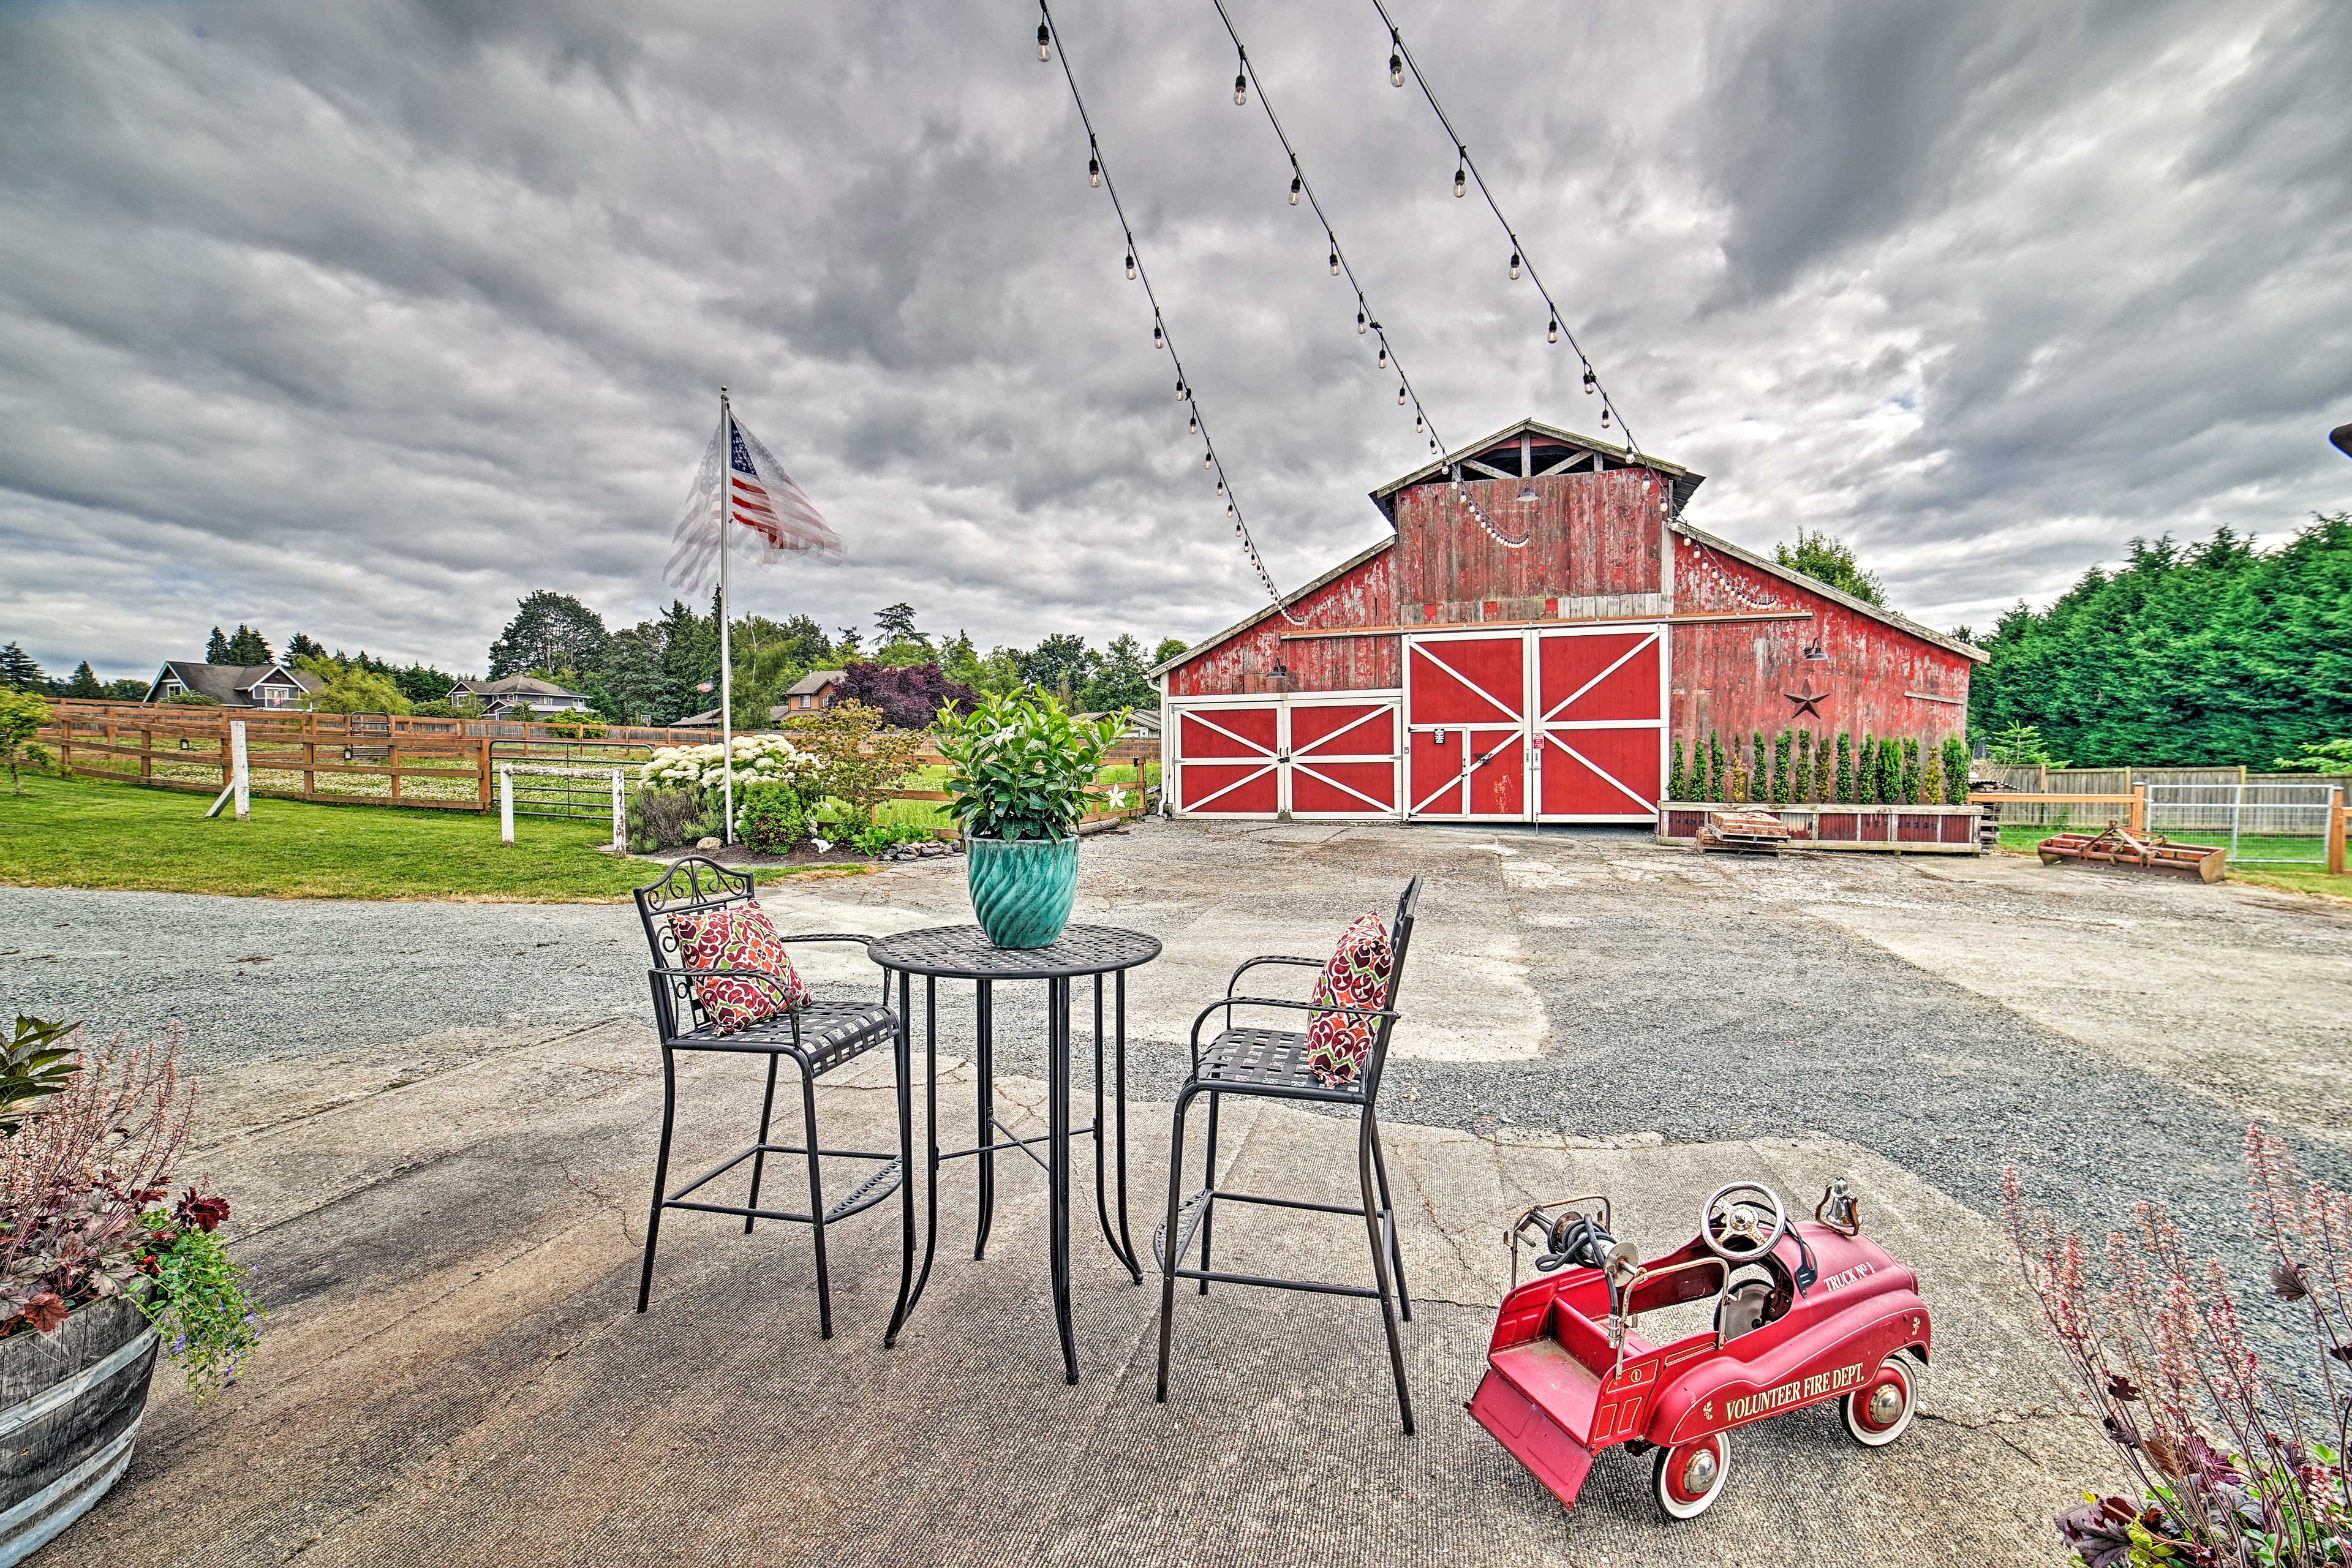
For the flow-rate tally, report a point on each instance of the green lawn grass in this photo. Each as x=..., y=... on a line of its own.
x=76, y=833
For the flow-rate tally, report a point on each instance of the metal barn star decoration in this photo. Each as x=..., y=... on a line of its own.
x=1806, y=702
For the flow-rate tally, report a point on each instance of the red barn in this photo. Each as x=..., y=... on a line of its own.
x=1443, y=675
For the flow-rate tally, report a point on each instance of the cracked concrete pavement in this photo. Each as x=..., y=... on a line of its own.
x=438, y=1120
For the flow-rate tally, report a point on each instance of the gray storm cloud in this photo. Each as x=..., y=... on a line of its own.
x=365, y=319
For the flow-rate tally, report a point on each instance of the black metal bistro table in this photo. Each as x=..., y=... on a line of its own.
x=965, y=953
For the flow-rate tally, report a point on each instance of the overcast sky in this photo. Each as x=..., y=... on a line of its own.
x=365, y=319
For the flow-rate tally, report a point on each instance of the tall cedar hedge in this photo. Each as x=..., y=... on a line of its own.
x=1800, y=780
x=1956, y=771
x=2205, y=655
x=1674, y=773
x=1759, y=773
x=1843, y=789
x=1780, y=743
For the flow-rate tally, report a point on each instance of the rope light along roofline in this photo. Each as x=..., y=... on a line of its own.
x=1049, y=38
x=1366, y=323
x=1400, y=53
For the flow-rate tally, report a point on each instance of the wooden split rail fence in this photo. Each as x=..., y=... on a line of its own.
x=360, y=759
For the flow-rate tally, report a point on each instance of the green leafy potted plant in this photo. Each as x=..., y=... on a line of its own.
x=1019, y=770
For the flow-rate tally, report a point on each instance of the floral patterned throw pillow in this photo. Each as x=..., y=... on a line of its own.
x=1357, y=976
x=738, y=936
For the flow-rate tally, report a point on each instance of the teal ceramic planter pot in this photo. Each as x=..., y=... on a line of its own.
x=1022, y=888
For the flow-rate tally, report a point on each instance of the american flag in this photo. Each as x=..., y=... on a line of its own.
x=742, y=480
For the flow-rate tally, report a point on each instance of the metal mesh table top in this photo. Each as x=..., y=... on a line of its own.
x=965, y=952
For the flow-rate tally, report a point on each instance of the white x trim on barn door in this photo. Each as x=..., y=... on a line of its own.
x=1553, y=730
x=1303, y=758
x=1272, y=756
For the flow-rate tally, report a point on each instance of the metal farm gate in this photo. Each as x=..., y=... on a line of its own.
x=2267, y=823
x=570, y=779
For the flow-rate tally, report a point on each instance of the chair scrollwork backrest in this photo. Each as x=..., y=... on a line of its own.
x=693, y=884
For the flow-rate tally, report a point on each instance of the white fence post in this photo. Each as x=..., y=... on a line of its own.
x=236, y=759
x=620, y=816
x=506, y=803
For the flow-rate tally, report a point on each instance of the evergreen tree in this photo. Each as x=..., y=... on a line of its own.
x=1714, y=781
x=1931, y=780
x=1675, y=772
x=1759, y=772
x=246, y=645
x=960, y=660
x=1890, y=772
x=20, y=671
x=1956, y=771
x=84, y=683
x=1800, y=778
x=1866, y=771
x=300, y=645
x=1844, y=784
x=897, y=624
x=1910, y=770
x=1169, y=648
x=1119, y=680
x=216, y=650
x=556, y=632
x=1780, y=744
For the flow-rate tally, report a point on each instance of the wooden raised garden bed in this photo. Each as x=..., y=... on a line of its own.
x=1899, y=829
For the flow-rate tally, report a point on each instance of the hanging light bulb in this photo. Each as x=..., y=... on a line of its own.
x=1229, y=509
x=1192, y=424
x=1396, y=58
x=1514, y=267
x=1296, y=185
x=1044, y=41
x=1334, y=261
x=1159, y=338
x=1604, y=416
x=1416, y=419
x=1400, y=394
x=1461, y=178
x=1551, y=333
x=1384, y=364
x=1208, y=460
x=1130, y=267
x=1094, y=166
x=1221, y=490
x=1360, y=323
x=1241, y=82
x=1432, y=446
x=1179, y=389
x=1590, y=381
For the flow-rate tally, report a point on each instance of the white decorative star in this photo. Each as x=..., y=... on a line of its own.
x=1118, y=797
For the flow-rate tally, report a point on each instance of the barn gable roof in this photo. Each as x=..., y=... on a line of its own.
x=1552, y=449
x=1814, y=585
x=1246, y=622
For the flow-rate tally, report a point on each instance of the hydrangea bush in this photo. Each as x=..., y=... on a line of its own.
x=759, y=759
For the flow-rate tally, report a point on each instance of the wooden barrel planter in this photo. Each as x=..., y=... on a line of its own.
x=73, y=1402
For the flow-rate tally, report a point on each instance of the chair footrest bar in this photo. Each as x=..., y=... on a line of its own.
x=732, y=1160
x=739, y=1210
x=871, y=1191
x=1355, y=1210
x=1319, y=1287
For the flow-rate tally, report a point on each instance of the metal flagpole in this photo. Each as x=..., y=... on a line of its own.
x=726, y=664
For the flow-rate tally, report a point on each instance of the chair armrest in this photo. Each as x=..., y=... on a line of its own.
x=1229, y=1002
x=827, y=936
x=1250, y=963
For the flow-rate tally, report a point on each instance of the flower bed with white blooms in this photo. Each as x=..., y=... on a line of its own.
x=769, y=759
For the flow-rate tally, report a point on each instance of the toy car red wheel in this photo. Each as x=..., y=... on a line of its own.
x=1880, y=1410
x=1688, y=1477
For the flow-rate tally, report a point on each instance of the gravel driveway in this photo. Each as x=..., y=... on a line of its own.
x=1957, y=1016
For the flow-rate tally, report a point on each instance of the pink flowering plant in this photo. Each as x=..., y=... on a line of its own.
x=90, y=1149
x=2231, y=1465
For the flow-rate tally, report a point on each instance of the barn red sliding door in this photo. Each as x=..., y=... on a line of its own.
x=1467, y=718
x=1600, y=723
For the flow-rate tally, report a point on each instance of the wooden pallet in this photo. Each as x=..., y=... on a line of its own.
x=1742, y=833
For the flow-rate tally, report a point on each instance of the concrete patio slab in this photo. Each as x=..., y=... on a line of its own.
x=454, y=1374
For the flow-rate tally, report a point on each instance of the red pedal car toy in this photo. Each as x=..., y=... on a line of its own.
x=1803, y=1313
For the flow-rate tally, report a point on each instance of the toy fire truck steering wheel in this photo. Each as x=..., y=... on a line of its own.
x=1733, y=1230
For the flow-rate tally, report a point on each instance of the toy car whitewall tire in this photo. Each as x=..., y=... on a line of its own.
x=1880, y=1410
x=1688, y=1477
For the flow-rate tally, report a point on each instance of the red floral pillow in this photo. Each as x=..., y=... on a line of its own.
x=1357, y=976
x=738, y=936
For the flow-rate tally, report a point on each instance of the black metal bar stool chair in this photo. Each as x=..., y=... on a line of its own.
x=816, y=1038
x=1273, y=1064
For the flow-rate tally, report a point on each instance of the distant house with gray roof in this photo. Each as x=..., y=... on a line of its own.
x=511, y=695
x=233, y=685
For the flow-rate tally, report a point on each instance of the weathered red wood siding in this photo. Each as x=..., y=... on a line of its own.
x=1365, y=596
x=1588, y=534
x=1736, y=678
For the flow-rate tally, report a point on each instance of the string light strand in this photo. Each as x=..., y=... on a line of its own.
x=1401, y=55
x=1366, y=323
x=1050, y=42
